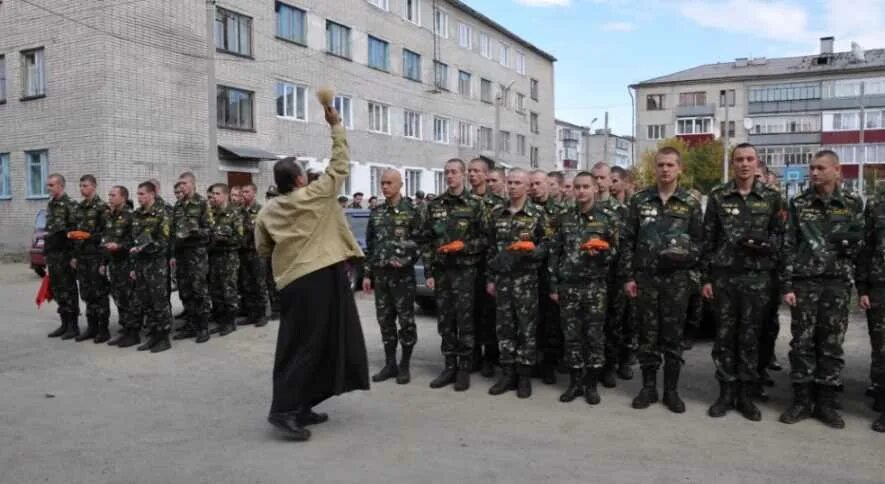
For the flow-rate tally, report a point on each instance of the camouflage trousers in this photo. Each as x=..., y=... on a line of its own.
x=516, y=320
x=741, y=305
x=454, y=293
x=616, y=331
x=876, y=327
x=273, y=293
x=253, y=285
x=661, y=309
x=819, y=322
x=63, y=282
x=395, y=299
x=94, y=288
x=550, y=340
x=484, y=311
x=192, y=267
x=771, y=326
x=695, y=311
x=224, y=267
x=151, y=274
x=123, y=292
x=583, y=308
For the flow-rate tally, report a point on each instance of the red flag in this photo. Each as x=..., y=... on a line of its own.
x=44, y=293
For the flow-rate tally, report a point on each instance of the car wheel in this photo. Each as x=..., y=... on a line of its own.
x=40, y=271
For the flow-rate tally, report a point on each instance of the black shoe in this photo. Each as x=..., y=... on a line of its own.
x=129, y=338
x=404, y=373
x=746, y=406
x=184, y=333
x=202, y=336
x=476, y=361
x=215, y=329
x=609, y=376
x=625, y=372
x=575, y=386
x=488, y=368
x=671, y=382
x=800, y=409
x=447, y=377
x=227, y=329
x=244, y=321
x=103, y=334
x=524, y=380
x=310, y=417
x=61, y=330
x=548, y=373
x=591, y=392
x=649, y=392
x=261, y=322
x=879, y=424
x=90, y=333
x=725, y=402
x=162, y=344
x=73, y=329
x=153, y=338
x=506, y=382
x=289, y=426
x=462, y=378
x=390, y=369
x=825, y=409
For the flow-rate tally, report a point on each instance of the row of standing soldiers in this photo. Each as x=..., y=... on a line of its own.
x=527, y=282
x=115, y=250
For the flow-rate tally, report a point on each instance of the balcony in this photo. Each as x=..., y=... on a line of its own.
x=568, y=136
x=695, y=110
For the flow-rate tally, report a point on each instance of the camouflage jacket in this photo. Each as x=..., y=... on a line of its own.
x=150, y=231
x=656, y=233
x=61, y=218
x=449, y=218
x=870, y=271
x=91, y=216
x=819, y=238
x=118, y=229
x=730, y=219
x=190, y=222
x=249, y=214
x=568, y=263
x=505, y=228
x=393, y=233
x=226, y=228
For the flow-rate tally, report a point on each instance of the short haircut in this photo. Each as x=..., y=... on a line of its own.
x=459, y=162
x=560, y=178
x=669, y=150
x=538, y=172
x=830, y=153
x=250, y=185
x=485, y=161
x=285, y=172
x=620, y=171
x=178, y=184
x=88, y=179
x=743, y=146
x=123, y=191
x=517, y=171
x=342, y=198
x=155, y=183
x=501, y=171
x=188, y=175
x=236, y=187
x=583, y=173
x=59, y=177
x=222, y=186
x=359, y=194
x=602, y=164
x=149, y=186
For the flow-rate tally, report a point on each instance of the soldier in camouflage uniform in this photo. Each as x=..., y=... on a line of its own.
x=90, y=262
x=513, y=279
x=190, y=228
x=225, y=238
x=496, y=183
x=150, y=269
x=116, y=241
x=60, y=219
x=392, y=248
x=620, y=183
x=580, y=279
x=823, y=237
x=871, y=291
x=742, y=227
x=252, y=281
x=660, y=243
x=454, y=244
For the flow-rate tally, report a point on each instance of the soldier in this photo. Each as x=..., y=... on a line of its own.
x=660, y=243
x=622, y=184
x=585, y=249
x=225, y=238
x=273, y=294
x=190, y=228
x=453, y=234
x=823, y=236
x=742, y=227
x=568, y=190
x=695, y=314
x=236, y=195
x=179, y=195
x=90, y=263
x=117, y=241
x=357, y=201
x=496, y=183
x=61, y=219
x=150, y=241
x=518, y=246
x=392, y=248
x=871, y=292
x=253, y=278
x=556, y=181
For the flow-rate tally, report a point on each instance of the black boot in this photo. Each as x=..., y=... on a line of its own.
x=185, y=332
x=745, y=404
x=309, y=417
x=575, y=386
x=825, y=407
x=404, y=374
x=118, y=338
x=879, y=400
x=649, y=392
x=62, y=328
x=801, y=407
x=129, y=338
x=202, y=331
x=609, y=376
x=103, y=334
x=879, y=424
x=162, y=343
x=757, y=390
x=390, y=370
x=548, y=372
x=671, y=383
x=506, y=382
x=775, y=365
x=182, y=314
x=765, y=379
x=477, y=359
x=90, y=333
x=228, y=325
x=625, y=372
x=462, y=378
x=591, y=393
x=725, y=402
x=288, y=424
x=488, y=361
x=154, y=337
x=524, y=380
x=73, y=329
x=447, y=376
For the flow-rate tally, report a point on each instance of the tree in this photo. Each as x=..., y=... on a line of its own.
x=701, y=164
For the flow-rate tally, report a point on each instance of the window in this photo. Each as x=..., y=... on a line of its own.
x=520, y=63
x=504, y=55
x=657, y=131
x=375, y=174
x=412, y=11
x=533, y=123
x=485, y=90
x=484, y=138
x=533, y=157
x=730, y=129
x=504, y=95
x=38, y=168
x=485, y=45
x=465, y=137
x=439, y=182
x=382, y=4
x=413, y=182
x=441, y=75
x=464, y=84
x=654, y=102
x=233, y=32
x=337, y=39
x=411, y=124
x=234, y=108
x=692, y=98
x=379, y=118
x=290, y=23
x=291, y=101
x=874, y=86
x=411, y=65
x=2, y=78
x=786, y=124
x=520, y=145
x=847, y=121
x=5, y=179
x=874, y=119
x=379, y=54
x=441, y=130
x=440, y=23
x=520, y=103
x=465, y=36
x=726, y=96
x=33, y=73
x=785, y=92
x=343, y=104
x=504, y=141
x=694, y=126
x=788, y=155
x=534, y=89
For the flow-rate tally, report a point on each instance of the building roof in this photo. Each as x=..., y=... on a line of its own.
x=761, y=68
x=560, y=122
x=500, y=28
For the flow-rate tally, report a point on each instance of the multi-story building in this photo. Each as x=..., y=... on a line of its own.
x=615, y=150
x=578, y=149
x=788, y=107
x=132, y=90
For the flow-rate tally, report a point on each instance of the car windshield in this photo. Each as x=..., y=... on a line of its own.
x=40, y=221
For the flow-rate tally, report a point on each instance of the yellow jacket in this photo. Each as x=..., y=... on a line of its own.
x=305, y=230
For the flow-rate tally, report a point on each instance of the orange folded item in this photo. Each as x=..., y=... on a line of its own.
x=596, y=244
x=79, y=235
x=522, y=246
x=44, y=292
x=451, y=247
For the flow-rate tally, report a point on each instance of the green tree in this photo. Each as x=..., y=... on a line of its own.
x=701, y=164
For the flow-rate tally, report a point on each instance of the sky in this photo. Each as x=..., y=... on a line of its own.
x=603, y=46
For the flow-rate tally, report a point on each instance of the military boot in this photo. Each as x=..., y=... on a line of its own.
x=649, y=392
x=62, y=328
x=119, y=337
x=447, y=376
x=879, y=400
x=548, y=371
x=575, y=386
x=103, y=334
x=73, y=329
x=202, y=331
x=91, y=331
x=625, y=372
x=745, y=404
x=671, y=383
x=879, y=424
x=390, y=369
x=185, y=332
x=801, y=406
x=162, y=343
x=289, y=426
x=609, y=376
x=757, y=391
x=154, y=337
x=477, y=359
x=488, y=361
x=524, y=380
x=404, y=374
x=130, y=337
x=825, y=407
x=462, y=377
x=725, y=402
x=591, y=392
x=506, y=382
x=228, y=325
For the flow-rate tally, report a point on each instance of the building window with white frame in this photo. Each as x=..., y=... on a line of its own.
x=533, y=89
x=233, y=32
x=520, y=63
x=413, y=182
x=2, y=79
x=484, y=138
x=379, y=118
x=37, y=163
x=379, y=54
x=465, y=84
x=694, y=126
x=291, y=23
x=485, y=45
x=698, y=98
x=654, y=102
x=382, y=4
x=412, y=11
x=411, y=65
x=440, y=23
x=411, y=124
x=33, y=73
x=441, y=130
x=874, y=119
x=504, y=96
x=534, y=156
x=465, y=36
x=731, y=129
x=375, y=174
x=441, y=75
x=504, y=141
x=520, y=145
x=533, y=123
x=845, y=121
x=343, y=104
x=727, y=96
x=235, y=108
x=485, y=91
x=5, y=178
x=439, y=182
x=504, y=55
x=520, y=103
x=337, y=39
x=465, y=133
x=291, y=101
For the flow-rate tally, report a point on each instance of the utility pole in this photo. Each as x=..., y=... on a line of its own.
x=725, y=142
x=605, y=140
x=211, y=93
x=496, y=135
x=863, y=147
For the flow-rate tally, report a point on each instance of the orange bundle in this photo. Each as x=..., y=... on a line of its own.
x=522, y=246
x=44, y=292
x=79, y=235
x=596, y=244
x=451, y=247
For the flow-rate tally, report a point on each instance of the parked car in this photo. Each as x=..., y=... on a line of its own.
x=35, y=256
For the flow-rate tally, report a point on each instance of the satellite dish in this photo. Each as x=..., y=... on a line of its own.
x=748, y=124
